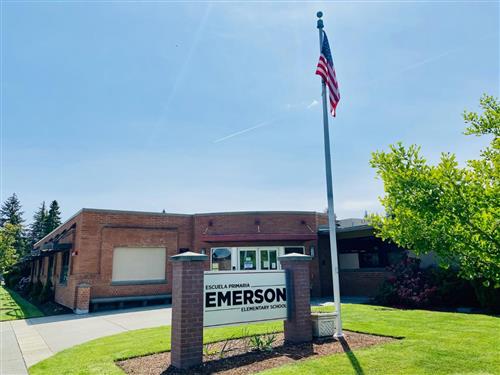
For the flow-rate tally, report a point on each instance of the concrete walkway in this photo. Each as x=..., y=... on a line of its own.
x=26, y=342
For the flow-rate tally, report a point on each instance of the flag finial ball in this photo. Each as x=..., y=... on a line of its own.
x=319, y=14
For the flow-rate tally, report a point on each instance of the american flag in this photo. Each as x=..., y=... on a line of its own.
x=326, y=70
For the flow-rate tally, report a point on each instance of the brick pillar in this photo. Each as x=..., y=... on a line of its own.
x=187, y=310
x=298, y=326
x=82, y=298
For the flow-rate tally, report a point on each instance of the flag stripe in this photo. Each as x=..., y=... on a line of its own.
x=326, y=71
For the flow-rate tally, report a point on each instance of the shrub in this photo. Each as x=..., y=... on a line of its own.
x=36, y=290
x=47, y=293
x=12, y=278
x=488, y=296
x=453, y=291
x=24, y=285
x=410, y=287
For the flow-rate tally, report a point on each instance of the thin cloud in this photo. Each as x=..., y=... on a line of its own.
x=262, y=124
x=314, y=103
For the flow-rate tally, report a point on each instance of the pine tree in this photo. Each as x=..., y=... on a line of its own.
x=10, y=212
x=53, y=217
x=38, y=226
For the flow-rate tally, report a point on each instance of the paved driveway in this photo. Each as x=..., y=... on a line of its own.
x=26, y=342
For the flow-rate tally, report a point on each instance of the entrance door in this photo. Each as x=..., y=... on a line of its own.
x=248, y=260
x=268, y=259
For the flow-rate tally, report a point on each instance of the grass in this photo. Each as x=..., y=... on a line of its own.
x=434, y=343
x=98, y=356
x=13, y=306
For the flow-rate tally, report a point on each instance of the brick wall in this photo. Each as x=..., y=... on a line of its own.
x=361, y=283
x=96, y=233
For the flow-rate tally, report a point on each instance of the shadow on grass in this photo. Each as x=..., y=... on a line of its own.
x=352, y=358
x=16, y=307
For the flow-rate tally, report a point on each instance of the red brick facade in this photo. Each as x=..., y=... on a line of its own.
x=93, y=234
x=87, y=242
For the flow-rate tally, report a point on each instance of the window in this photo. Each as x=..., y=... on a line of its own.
x=268, y=260
x=248, y=260
x=348, y=261
x=51, y=266
x=294, y=249
x=369, y=260
x=221, y=259
x=40, y=267
x=139, y=264
x=63, y=278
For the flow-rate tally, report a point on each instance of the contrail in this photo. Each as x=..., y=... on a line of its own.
x=424, y=61
x=244, y=131
x=181, y=73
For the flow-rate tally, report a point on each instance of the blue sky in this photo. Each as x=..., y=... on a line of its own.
x=198, y=107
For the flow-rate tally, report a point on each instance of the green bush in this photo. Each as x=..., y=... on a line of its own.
x=452, y=290
x=47, y=293
x=12, y=278
x=488, y=297
x=36, y=290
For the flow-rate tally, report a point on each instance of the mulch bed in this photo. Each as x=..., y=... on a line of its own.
x=239, y=358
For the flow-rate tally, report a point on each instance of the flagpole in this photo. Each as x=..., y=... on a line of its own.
x=329, y=192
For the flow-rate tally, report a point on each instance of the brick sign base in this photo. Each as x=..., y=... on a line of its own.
x=187, y=305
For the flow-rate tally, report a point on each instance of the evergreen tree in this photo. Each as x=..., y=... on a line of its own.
x=53, y=217
x=39, y=224
x=10, y=212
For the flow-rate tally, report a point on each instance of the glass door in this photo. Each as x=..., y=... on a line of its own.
x=268, y=259
x=248, y=260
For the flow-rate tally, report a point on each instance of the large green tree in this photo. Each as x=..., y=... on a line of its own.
x=451, y=210
x=53, y=219
x=39, y=224
x=11, y=213
x=8, y=253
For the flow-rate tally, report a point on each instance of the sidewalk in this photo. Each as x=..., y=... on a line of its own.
x=26, y=342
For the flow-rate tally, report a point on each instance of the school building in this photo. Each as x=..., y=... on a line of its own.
x=101, y=257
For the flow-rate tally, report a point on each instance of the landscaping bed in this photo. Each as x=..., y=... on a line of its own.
x=239, y=356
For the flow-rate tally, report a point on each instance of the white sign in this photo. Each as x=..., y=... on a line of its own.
x=240, y=297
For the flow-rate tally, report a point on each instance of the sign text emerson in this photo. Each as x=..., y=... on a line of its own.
x=239, y=297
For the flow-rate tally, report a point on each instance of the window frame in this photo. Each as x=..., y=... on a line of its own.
x=64, y=271
x=163, y=280
x=212, y=249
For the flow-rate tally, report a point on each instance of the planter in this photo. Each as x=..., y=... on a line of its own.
x=323, y=324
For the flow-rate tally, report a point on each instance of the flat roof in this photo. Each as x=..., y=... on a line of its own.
x=148, y=213
x=324, y=229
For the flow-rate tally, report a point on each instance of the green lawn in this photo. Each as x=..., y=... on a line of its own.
x=13, y=306
x=434, y=343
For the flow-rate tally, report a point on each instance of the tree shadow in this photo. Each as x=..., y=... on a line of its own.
x=15, y=305
x=352, y=358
